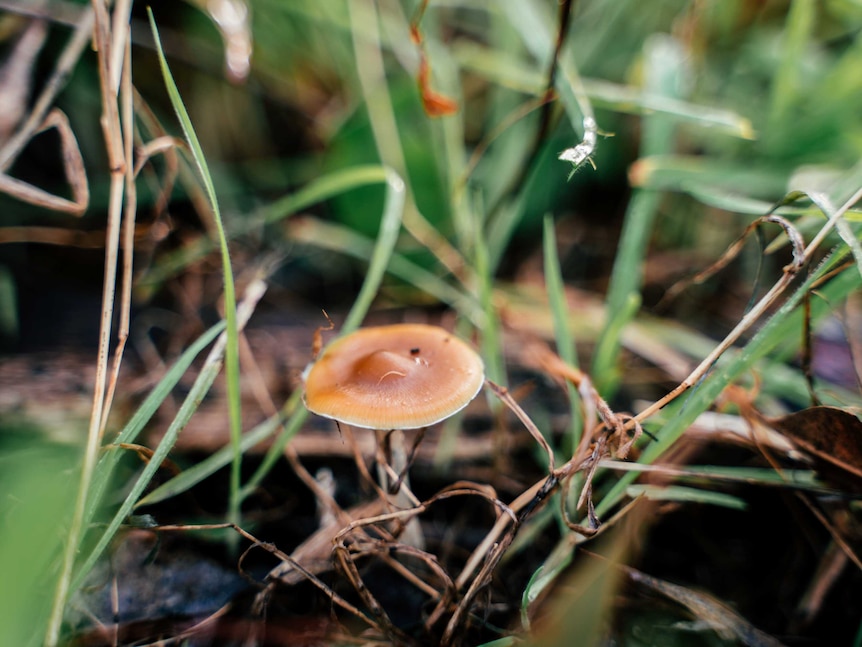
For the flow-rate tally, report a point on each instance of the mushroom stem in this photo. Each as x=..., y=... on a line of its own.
x=403, y=376
x=393, y=474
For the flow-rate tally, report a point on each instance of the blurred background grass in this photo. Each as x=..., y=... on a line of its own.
x=790, y=69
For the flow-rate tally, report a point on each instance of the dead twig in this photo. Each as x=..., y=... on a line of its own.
x=12, y=148
x=802, y=255
x=73, y=167
x=122, y=15
x=270, y=548
x=506, y=398
x=118, y=168
x=16, y=76
x=349, y=548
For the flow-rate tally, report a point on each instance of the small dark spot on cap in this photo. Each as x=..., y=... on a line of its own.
x=414, y=351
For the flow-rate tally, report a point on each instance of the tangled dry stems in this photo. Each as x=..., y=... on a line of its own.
x=372, y=531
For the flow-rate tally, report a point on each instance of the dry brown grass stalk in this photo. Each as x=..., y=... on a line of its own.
x=119, y=145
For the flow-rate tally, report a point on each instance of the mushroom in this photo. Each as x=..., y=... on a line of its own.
x=392, y=378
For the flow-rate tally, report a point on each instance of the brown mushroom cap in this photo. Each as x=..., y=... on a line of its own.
x=403, y=376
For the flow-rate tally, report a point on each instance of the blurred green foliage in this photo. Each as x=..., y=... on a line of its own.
x=791, y=68
x=37, y=482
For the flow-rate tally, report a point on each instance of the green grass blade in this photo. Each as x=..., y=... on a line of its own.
x=491, y=339
x=665, y=69
x=326, y=187
x=190, y=477
x=675, y=172
x=787, y=83
x=628, y=99
x=562, y=332
x=378, y=260
x=534, y=26
x=387, y=236
x=203, y=382
x=378, y=256
x=844, y=230
x=232, y=349
x=543, y=577
x=557, y=296
x=783, y=324
x=764, y=476
x=346, y=241
x=685, y=494
x=276, y=450
x=143, y=415
x=319, y=190
x=511, y=72
x=199, y=389
x=785, y=382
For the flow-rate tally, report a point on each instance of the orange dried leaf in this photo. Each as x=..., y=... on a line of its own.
x=435, y=104
x=317, y=339
x=415, y=35
x=438, y=105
